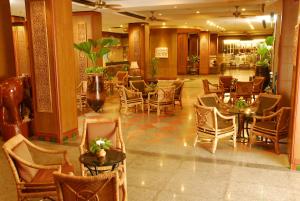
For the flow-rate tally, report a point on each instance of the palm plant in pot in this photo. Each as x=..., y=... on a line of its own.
x=194, y=60
x=94, y=51
x=153, y=70
x=264, y=50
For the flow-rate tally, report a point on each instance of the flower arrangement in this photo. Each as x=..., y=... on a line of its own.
x=241, y=103
x=99, y=144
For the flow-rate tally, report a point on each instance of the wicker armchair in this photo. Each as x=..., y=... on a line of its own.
x=122, y=78
x=178, y=84
x=242, y=89
x=226, y=83
x=273, y=127
x=130, y=98
x=212, y=100
x=110, y=129
x=210, y=122
x=81, y=90
x=258, y=84
x=103, y=187
x=265, y=103
x=163, y=97
x=33, y=180
x=140, y=86
x=210, y=88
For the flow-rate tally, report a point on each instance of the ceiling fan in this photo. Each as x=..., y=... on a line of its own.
x=153, y=18
x=237, y=13
x=98, y=4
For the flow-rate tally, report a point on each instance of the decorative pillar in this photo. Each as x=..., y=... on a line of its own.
x=86, y=25
x=204, y=53
x=286, y=46
x=52, y=68
x=138, y=50
x=7, y=61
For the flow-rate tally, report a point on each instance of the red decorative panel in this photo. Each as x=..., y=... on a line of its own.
x=41, y=56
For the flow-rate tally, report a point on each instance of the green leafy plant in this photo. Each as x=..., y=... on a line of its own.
x=194, y=59
x=241, y=103
x=95, y=50
x=125, y=67
x=264, y=50
x=98, y=144
x=154, y=66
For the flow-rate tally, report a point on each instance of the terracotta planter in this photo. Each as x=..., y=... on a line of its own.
x=95, y=91
x=264, y=72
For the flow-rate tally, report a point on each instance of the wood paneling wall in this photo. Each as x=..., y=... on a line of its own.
x=86, y=25
x=51, y=41
x=167, y=67
x=182, y=53
x=138, y=41
x=7, y=60
x=204, y=53
x=193, y=44
x=213, y=46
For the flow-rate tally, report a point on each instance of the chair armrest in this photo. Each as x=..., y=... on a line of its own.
x=151, y=94
x=225, y=117
x=267, y=117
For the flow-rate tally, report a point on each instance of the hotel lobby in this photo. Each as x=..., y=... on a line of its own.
x=145, y=83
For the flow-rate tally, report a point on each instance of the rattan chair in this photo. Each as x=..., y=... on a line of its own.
x=258, y=84
x=122, y=78
x=211, y=123
x=226, y=83
x=33, y=180
x=102, y=187
x=130, y=98
x=140, y=86
x=265, y=103
x=81, y=90
x=212, y=100
x=210, y=88
x=178, y=84
x=242, y=89
x=162, y=98
x=273, y=127
x=95, y=127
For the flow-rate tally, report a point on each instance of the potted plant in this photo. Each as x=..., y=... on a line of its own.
x=153, y=70
x=264, y=50
x=241, y=103
x=194, y=60
x=98, y=146
x=94, y=51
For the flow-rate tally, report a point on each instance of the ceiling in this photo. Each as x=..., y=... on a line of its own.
x=212, y=15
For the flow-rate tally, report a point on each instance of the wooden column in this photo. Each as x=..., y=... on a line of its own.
x=138, y=41
x=286, y=46
x=204, y=53
x=86, y=25
x=7, y=61
x=182, y=53
x=51, y=41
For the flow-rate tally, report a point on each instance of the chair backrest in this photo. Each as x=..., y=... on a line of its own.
x=283, y=119
x=258, y=84
x=267, y=101
x=165, y=94
x=205, y=117
x=178, y=84
x=226, y=81
x=18, y=155
x=102, y=187
x=244, y=88
x=121, y=74
x=209, y=100
x=97, y=127
x=138, y=85
x=206, y=86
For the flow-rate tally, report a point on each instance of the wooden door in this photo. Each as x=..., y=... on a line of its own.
x=182, y=53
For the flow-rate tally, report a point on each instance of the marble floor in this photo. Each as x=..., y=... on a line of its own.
x=163, y=164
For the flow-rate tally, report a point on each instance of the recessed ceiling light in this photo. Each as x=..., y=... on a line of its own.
x=175, y=7
x=163, y=23
x=185, y=23
x=243, y=9
x=159, y=14
x=197, y=11
x=121, y=25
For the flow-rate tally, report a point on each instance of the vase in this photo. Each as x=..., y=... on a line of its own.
x=101, y=153
x=95, y=91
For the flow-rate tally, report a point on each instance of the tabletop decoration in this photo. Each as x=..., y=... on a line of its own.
x=241, y=103
x=99, y=145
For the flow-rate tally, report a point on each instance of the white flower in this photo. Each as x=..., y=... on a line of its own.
x=100, y=142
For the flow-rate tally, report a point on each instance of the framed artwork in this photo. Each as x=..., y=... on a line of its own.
x=161, y=52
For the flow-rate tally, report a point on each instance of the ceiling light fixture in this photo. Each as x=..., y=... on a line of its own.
x=197, y=12
x=164, y=24
x=175, y=7
x=159, y=14
x=243, y=9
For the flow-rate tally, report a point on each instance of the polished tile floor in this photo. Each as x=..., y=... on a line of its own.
x=163, y=165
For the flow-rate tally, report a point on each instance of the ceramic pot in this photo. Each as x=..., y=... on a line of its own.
x=95, y=91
